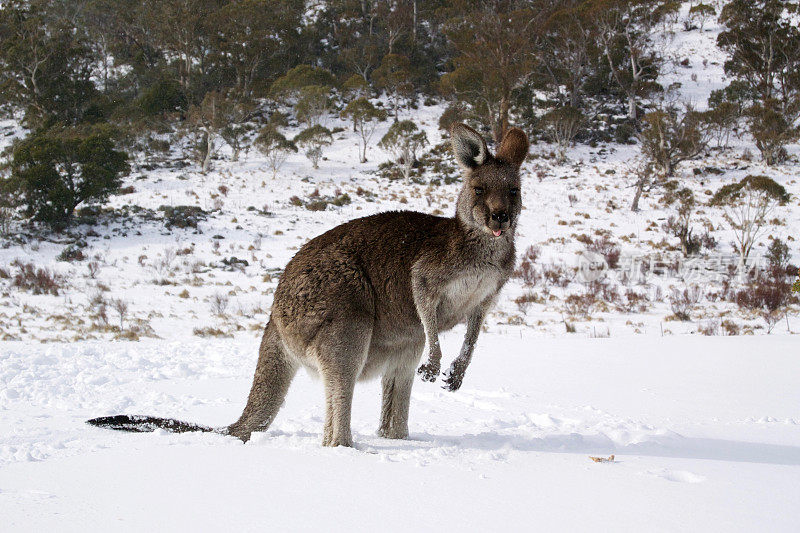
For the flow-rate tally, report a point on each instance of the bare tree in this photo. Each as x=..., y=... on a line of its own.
x=747, y=205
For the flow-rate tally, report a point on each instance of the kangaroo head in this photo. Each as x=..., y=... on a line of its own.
x=490, y=199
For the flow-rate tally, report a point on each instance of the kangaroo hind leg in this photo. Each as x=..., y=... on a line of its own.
x=341, y=351
x=397, y=385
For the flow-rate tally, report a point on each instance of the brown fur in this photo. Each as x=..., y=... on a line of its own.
x=363, y=299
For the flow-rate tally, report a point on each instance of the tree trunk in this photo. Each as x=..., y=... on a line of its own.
x=632, y=107
x=504, y=107
x=209, y=151
x=638, y=194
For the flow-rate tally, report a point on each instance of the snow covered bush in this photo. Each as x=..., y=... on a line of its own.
x=562, y=125
x=746, y=205
x=312, y=140
x=275, y=147
x=365, y=117
x=403, y=140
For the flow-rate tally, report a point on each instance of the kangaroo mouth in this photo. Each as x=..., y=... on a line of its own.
x=495, y=229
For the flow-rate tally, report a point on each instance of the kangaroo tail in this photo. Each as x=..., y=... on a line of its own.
x=146, y=424
x=274, y=373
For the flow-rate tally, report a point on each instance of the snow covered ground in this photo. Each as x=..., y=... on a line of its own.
x=705, y=433
x=705, y=429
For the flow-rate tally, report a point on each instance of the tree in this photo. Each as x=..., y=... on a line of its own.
x=312, y=103
x=771, y=131
x=493, y=40
x=45, y=66
x=275, y=147
x=669, y=137
x=312, y=140
x=570, y=34
x=55, y=171
x=185, y=30
x=235, y=112
x=562, y=125
x=255, y=37
x=288, y=86
x=394, y=76
x=702, y=12
x=721, y=118
x=403, y=140
x=747, y=205
x=763, y=41
x=626, y=29
x=353, y=88
x=207, y=119
x=366, y=117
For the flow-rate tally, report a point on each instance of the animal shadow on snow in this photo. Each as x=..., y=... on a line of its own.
x=669, y=445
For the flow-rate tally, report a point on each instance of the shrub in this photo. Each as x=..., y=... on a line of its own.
x=778, y=257
x=165, y=96
x=557, y=275
x=403, y=140
x=312, y=140
x=182, y=216
x=606, y=248
x=55, y=171
x=635, y=302
x=680, y=225
x=73, y=252
x=36, y=280
x=274, y=146
x=579, y=305
x=525, y=300
x=526, y=271
x=767, y=297
x=452, y=114
x=682, y=302
x=562, y=125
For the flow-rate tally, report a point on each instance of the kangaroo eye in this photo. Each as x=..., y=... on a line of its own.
x=513, y=191
x=478, y=191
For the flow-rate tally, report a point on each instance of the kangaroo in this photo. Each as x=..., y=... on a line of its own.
x=363, y=299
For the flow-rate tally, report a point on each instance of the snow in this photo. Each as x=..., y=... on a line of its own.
x=704, y=430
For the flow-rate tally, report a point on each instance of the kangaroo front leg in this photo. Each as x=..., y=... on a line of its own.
x=430, y=370
x=427, y=303
x=454, y=376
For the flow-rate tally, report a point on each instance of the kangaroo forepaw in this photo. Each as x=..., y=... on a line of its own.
x=452, y=380
x=429, y=372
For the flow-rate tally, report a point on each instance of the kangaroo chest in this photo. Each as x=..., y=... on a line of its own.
x=464, y=293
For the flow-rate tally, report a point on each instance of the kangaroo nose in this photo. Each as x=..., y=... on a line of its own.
x=501, y=217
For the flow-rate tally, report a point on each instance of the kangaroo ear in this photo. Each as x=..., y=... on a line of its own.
x=468, y=146
x=514, y=147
